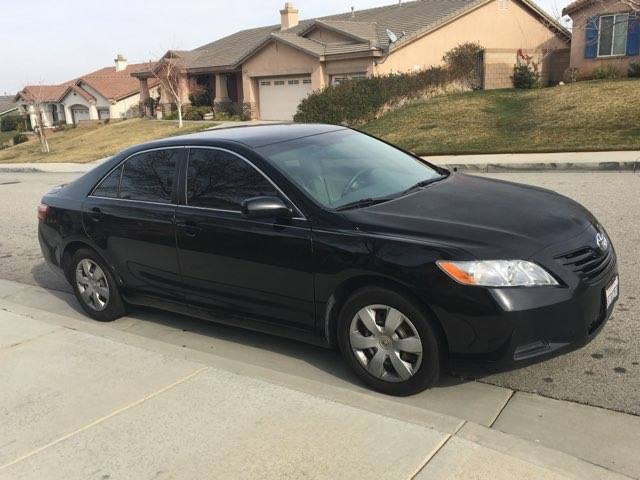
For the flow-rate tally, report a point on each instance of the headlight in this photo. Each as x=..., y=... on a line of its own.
x=498, y=273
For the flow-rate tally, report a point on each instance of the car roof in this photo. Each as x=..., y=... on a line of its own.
x=255, y=136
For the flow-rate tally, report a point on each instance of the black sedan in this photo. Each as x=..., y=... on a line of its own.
x=330, y=236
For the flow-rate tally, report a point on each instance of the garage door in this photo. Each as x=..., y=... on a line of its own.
x=280, y=97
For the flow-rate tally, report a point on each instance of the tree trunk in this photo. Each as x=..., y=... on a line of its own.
x=180, y=124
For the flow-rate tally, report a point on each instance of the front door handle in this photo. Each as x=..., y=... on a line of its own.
x=189, y=228
x=95, y=214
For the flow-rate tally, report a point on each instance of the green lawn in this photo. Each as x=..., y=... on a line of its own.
x=585, y=116
x=94, y=141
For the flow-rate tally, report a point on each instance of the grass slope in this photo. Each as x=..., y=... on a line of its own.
x=92, y=142
x=585, y=116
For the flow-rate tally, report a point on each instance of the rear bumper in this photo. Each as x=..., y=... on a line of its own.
x=533, y=325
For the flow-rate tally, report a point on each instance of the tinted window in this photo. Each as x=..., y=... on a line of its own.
x=223, y=181
x=109, y=186
x=342, y=167
x=149, y=176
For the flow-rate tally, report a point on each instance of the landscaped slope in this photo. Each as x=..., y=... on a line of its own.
x=93, y=141
x=585, y=116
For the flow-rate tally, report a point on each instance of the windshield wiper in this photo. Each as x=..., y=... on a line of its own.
x=425, y=183
x=365, y=202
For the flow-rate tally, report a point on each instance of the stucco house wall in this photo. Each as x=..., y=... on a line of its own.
x=492, y=27
x=586, y=66
x=278, y=59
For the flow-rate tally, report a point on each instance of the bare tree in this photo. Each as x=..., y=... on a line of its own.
x=169, y=71
x=37, y=100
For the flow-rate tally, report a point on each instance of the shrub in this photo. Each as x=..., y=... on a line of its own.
x=361, y=100
x=526, y=75
x=9, y=123
x=607, y=72
x=634, y=70
x=464, y=63
x=201, y=99
x=20, y=138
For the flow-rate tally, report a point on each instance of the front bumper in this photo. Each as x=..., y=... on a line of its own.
x=526, y=325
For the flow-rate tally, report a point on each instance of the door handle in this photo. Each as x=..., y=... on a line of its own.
x=189, y=228
x=95, y=214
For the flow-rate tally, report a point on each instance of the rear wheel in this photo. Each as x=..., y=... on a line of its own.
x=95, y=286
x=389, y=342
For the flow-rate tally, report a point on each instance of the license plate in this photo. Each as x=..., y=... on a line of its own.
x=612, y=292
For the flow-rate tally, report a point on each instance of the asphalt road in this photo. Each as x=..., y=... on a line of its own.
x=606, y=373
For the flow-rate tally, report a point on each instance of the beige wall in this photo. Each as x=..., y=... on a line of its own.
x=278, y=59
x=498, y=66
x=514, y=28
x=578, y=43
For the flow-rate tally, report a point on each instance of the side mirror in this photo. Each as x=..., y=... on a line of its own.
x=265, y=207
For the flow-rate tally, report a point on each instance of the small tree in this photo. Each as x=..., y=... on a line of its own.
x=36, y=99
x=464, y=62
x=169, y=72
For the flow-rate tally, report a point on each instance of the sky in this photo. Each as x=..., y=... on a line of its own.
x=50, y=42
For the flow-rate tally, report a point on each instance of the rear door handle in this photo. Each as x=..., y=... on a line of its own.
x=189, y=228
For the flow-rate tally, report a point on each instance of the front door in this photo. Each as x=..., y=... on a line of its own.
x=130, y=217
x=257, y=269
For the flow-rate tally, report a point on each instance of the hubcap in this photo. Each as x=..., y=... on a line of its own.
x=386, y=343
x=92, y=284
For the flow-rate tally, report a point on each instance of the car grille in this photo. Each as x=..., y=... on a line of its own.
x=588, y=263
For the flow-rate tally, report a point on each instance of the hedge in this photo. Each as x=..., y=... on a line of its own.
x=361, y=100
x=9, y=123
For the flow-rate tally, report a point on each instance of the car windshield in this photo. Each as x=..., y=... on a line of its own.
x=344, y=168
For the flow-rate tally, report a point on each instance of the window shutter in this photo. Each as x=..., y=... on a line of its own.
x=633, y=35
x=591, y=44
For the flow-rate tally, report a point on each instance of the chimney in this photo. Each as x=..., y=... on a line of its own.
x=288, y=16
x=121, y=63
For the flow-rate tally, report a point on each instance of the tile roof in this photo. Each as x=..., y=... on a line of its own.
x=408, y=20
x=114, y=85
x=7, y=103
x=107, y=82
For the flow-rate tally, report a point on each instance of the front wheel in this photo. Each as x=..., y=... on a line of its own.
x=389, y=342
x=95, y=286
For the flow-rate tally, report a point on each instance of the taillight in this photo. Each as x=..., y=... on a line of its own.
x=43, y=211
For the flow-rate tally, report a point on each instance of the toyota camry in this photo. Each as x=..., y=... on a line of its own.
x=330, y=236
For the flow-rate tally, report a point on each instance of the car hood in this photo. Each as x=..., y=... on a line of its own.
x=486, y=218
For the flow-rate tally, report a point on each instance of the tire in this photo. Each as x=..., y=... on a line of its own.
x=374, y=357
x=88, y=273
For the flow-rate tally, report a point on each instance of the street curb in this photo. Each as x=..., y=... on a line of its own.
x=633, y=167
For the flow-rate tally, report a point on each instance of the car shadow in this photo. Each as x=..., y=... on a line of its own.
x=171, y=328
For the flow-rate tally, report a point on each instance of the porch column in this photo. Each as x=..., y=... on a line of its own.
x=222, y=93
x=144, y=96
x=93, y=112
x=250, y=94
x=68, y=116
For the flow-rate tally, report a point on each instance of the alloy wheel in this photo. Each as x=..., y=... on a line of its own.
x=386, y=343
x=92, y=284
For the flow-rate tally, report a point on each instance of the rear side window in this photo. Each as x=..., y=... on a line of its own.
x=220, y=180
x=150, y=176
x=110, y=185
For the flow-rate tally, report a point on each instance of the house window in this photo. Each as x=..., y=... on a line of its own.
x=265, y=84
x=294, y=82
x=613, y=35
x=503, y=4
x=338, y=79
x=306, y=81
x=279, y=82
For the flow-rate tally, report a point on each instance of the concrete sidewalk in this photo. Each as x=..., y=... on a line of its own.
x=624, y=161
x=86, y=400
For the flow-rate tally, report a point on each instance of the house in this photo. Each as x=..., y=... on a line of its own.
x=605, y=32
x=271, y=69
x=108, y=93
x=8, y=106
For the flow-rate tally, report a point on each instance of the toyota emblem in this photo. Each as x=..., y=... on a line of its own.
x=602, y=242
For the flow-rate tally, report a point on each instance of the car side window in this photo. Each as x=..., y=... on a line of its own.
x=110, y=186
x=150, y=176
x=220, y=180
